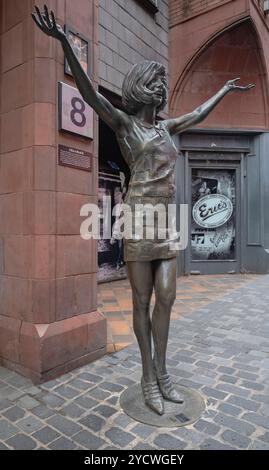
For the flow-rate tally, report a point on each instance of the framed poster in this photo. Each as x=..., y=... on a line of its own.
x=74, y=115
x=81, y=47
x=213, y=220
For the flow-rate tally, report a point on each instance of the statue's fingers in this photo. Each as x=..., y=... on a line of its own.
x=53, y=20
x=40, y=17
x=247, y=87
x=236, y=79
x=46, y=16
x=36, y=21
x=38, y=13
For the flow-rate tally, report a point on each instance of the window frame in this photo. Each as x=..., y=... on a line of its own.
x=150, y=5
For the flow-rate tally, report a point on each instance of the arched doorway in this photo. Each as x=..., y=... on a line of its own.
x=221, y=166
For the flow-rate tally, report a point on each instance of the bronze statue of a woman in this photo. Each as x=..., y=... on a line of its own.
x=148, y=149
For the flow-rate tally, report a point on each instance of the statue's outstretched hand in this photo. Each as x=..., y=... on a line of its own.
x=46, y=22
x=231, y=85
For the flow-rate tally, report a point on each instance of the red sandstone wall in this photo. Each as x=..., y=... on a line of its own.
x=234, y=54
x=48, y=273
x=201, y=61
x=181, y=10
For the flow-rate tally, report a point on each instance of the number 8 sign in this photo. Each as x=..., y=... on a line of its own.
x=75, y=115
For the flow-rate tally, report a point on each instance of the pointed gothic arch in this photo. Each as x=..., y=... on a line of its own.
x=233, y=52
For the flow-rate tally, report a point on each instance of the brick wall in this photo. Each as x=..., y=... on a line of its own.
x=47, y=272
x=129, y=34
x=181, y=10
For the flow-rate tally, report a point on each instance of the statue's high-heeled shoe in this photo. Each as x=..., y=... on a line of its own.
x=166, y=386
x=152, y=396
x=168, y=390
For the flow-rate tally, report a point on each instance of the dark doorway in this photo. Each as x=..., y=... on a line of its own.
x=114, y=178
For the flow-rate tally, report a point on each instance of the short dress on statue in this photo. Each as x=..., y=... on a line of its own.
x=151, y=156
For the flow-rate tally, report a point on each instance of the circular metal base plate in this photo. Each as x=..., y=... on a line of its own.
x=175, y=414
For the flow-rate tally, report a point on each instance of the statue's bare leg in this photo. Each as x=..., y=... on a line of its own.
x=141, y=280
x=165, y=294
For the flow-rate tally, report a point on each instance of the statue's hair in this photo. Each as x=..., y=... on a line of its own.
x=134, y=89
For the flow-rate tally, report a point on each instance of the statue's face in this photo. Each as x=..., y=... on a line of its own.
x=159, y=86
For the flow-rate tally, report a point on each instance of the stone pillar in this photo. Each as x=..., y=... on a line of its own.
x=49, y=321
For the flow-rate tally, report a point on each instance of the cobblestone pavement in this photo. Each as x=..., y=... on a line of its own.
x=115, y=302
x=220, y=349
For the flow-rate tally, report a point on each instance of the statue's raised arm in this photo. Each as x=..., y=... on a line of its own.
x=199, y=114
x=115, y=118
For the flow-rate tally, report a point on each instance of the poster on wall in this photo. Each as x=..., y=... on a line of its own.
x=213, y=214
x=112, y=183
x=82, y=47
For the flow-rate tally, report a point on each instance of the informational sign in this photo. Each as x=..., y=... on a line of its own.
x=75, y=158
x=75, y=115
x=212, y=211
x=213, y=214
